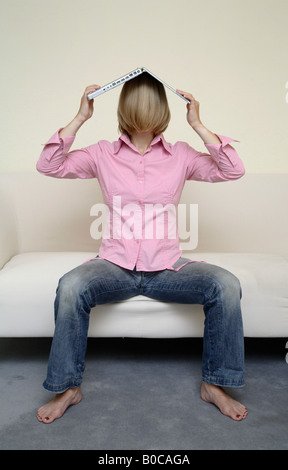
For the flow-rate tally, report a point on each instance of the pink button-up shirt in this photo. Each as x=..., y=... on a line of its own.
x=132, y=183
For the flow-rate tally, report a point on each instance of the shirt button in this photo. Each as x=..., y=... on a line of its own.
x=140, y=161
x=140, y=181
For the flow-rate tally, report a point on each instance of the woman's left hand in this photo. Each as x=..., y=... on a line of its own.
x=193, y=116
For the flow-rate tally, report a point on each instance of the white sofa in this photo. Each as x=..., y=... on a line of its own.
x=45, y=232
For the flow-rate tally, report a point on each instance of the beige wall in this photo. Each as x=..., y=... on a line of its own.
x=231, y=54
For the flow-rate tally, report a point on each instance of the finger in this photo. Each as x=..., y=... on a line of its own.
x=186, y=95
x=91, y=88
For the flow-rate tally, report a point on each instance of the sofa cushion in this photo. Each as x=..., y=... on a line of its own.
x=28, y=283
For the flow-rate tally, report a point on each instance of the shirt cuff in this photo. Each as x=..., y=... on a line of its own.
x=225, y=148
x=66, y=142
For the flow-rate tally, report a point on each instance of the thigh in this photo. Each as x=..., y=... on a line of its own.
x=102, y=280
x=194, y=283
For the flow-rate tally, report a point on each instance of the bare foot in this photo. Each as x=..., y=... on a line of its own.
x=57, y=407
x=227, y=405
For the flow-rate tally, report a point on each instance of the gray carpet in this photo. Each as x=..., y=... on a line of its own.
x=143, y=395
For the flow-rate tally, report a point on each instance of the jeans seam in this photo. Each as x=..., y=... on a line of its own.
x=71, y=383
x=222, y=381
x=217, y=355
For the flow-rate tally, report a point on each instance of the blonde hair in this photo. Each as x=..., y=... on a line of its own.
x=143, y=106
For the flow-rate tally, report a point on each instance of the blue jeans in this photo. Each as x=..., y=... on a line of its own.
x=99, y=282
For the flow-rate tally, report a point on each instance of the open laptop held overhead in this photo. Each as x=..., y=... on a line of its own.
x=125, y=78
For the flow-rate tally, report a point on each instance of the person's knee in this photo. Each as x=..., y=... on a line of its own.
x=70, y=285
x=227, y=284
x=231, y=282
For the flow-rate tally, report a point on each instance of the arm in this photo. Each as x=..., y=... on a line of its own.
x=85, y=112
x=225, y=163
x=56, y=160
x=193, y=118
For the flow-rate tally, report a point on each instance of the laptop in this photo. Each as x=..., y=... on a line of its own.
x=125, y=78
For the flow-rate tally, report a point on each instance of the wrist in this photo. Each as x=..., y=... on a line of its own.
x=79, y=119
x=207, y=136
x=72, y=128
x=197, y=126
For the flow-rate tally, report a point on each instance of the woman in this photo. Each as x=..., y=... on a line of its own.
x=141, y=168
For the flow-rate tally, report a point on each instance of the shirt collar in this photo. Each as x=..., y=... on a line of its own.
x=158, y=139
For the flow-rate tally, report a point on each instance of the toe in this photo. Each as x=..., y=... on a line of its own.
x=47, y=419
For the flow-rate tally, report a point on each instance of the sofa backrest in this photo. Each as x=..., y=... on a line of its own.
x=49, y=214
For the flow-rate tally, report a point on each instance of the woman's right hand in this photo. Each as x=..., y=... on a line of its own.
x=87, y=106
x=85, y=112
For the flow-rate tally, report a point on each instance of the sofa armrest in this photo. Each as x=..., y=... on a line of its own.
x=8, y=223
